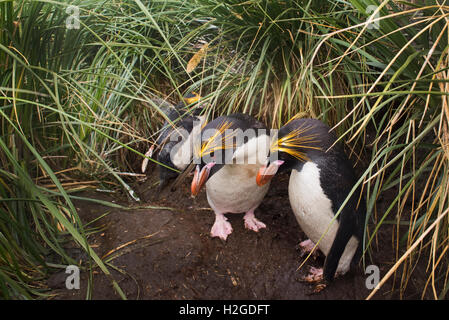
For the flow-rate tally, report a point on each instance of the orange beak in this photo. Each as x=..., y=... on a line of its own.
x=200, y=177
x=266, y=173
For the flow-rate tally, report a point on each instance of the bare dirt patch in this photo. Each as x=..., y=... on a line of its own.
x=169, y=254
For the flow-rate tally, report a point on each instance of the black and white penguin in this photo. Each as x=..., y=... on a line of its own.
x=176, y=137
x=231, y=152
x=320, y=181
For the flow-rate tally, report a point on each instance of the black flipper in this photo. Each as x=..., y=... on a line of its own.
x=344, y=233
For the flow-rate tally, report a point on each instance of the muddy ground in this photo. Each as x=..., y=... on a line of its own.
x=169, y=254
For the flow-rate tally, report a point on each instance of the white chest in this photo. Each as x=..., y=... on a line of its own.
x=233, y=189
x=312, y=208
x=313, y=211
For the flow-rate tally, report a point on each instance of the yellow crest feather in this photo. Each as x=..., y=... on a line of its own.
x=218, y=141
x=196, y=97
x=294, y=140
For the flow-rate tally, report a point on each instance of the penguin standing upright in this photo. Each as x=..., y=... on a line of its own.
x=229, y=169
x=175, y=139
x=320, y=181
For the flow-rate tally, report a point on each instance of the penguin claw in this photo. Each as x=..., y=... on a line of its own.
x=315, y=275
x=319, y=287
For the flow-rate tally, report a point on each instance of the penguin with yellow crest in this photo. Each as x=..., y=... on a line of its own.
x=231, y=151
x=175, y=139
x=321, y=178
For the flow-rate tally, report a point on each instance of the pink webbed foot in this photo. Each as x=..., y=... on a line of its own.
x=252, y=223
x=306, y=247
x=221, y=228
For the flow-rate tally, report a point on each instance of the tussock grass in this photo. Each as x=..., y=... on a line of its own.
x=82, y=105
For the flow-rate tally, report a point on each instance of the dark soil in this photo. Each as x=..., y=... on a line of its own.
x=169, y=254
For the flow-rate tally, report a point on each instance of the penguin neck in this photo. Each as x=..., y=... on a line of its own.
x=298, y=165
x=292, y=164
x=215, y=169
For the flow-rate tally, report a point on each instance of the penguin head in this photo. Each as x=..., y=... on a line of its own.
x=215, y=150
x=293, y=144
x=206, y=167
